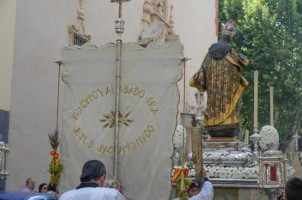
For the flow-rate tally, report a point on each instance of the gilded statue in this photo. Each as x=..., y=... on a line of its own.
x=220, y=76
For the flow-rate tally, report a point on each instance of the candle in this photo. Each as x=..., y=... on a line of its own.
x=189, y=137
x=271, y=94
x=247, y=135
x=273, y=172
x=255, y=99
x=198, y=98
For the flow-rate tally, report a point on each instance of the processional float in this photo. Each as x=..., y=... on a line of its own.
x=230, y=163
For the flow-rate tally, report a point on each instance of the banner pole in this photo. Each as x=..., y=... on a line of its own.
x=182, y=183
x=58, y=92
x=117, y=108
x=119, y=29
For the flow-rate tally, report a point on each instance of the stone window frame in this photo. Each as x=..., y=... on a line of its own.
x=74, y=34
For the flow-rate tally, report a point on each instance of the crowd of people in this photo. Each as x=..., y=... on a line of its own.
x=93, y=177
x=92, y=181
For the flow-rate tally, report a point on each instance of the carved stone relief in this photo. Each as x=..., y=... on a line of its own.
x=78, y=31
x=156, y=26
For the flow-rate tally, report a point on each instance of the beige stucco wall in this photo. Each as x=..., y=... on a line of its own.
x=196, y=26
x=41, y=31
x=7, y=30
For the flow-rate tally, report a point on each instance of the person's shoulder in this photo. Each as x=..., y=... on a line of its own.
x=108, y=191
x=95, y=193
x=111, y=192
x=26, y=189
x=67, y=193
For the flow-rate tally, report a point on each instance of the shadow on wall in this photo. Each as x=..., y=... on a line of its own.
x=4, y=124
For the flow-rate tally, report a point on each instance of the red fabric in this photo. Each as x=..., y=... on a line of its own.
x=273, y=172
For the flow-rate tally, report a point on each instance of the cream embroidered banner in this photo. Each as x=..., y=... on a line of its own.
x=148, y=109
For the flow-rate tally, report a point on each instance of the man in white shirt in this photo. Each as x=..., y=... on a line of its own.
x=30, y=185
x=92, y=182
x=206, y=192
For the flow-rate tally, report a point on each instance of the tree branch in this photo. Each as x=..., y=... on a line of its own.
x=295, y=127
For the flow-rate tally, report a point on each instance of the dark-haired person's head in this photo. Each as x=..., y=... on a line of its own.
x=94, y=171
x=43, y=188
x=193, y=190
x=52, y=188
x=293, y=189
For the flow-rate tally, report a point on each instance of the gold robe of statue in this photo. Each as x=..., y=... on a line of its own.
x=223, y=82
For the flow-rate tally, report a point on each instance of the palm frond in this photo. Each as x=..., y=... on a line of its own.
x=54, y=140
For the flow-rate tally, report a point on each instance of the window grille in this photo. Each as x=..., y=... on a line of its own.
x=77, y=40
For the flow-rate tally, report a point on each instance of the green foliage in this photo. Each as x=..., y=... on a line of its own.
x=55, y=172
x=270, y=32
x=183, y=195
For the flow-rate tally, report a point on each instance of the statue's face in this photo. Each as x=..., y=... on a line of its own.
x=229, y=29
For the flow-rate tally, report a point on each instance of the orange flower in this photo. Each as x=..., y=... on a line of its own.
x=55, y=156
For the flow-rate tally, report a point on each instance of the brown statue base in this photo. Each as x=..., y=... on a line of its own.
x=220, y=139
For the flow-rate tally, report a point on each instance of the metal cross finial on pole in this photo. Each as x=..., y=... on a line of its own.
x=119, y=22
x=119, y=29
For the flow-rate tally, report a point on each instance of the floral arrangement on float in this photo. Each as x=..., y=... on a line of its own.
x=268, y=135
x=55, y=167
x=180, y=174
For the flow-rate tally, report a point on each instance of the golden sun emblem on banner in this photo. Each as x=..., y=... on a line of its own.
x=109, y=118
